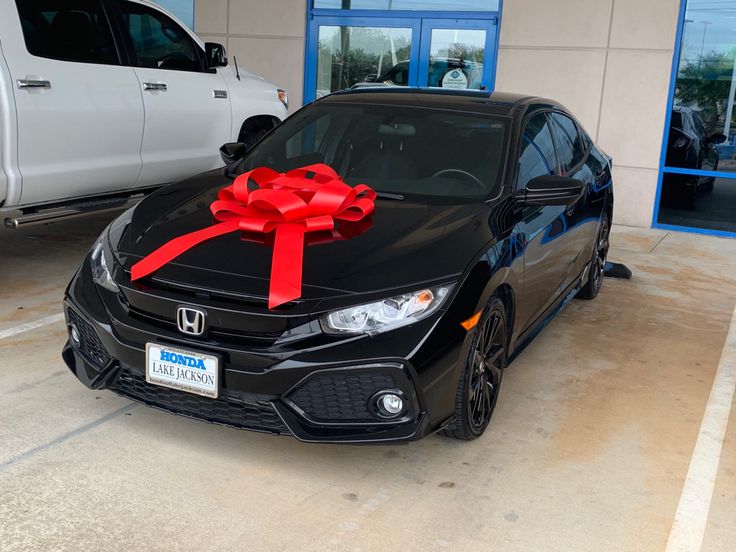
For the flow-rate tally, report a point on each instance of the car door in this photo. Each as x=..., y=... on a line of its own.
x=79, y=109
x=187, y=108
x=581, y=225
x=540, y=228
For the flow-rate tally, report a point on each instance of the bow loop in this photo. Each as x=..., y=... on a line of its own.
x=307, y=199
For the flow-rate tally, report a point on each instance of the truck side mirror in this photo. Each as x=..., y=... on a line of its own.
x=215, y=55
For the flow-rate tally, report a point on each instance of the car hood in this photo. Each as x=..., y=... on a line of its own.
x=404, y=244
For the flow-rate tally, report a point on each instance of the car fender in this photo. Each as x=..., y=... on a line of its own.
x=249, y=97
x=499, y=265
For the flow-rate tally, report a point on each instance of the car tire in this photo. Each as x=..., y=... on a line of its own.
x=480, y=382
x=598, y=261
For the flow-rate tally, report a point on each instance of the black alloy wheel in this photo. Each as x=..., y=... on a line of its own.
x=480, y=382
x=598, y=262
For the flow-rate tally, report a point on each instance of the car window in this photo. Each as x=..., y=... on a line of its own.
x=676, y=119
x=309, y=140
x=431, y=155
x=159, y=42
x=570, y=149
x=699, y=124
x=537, y=156
x=398, y=74
x=67, y=30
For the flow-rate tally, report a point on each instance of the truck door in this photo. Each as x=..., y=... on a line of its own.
x=79, y=110
x=187, y=108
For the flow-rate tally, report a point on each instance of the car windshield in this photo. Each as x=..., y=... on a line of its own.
x=423, y=153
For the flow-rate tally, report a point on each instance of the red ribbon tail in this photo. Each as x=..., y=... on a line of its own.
x=169, y=251
x=286, y=264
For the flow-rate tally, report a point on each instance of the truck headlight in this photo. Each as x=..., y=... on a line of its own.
x=100, y=261
x=388, y=314
x=283, y=97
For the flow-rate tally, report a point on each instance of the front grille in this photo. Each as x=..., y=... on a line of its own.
x=223, y=335
x=228, y=410
x=195, y=293
x=89, y=343
x=340, y=397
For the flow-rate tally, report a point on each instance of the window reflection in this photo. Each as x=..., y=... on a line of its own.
x=445, y=5
x=698, y=202
x=361, y=56
x=702, y=132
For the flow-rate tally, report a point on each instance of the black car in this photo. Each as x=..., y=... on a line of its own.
x=689, y=146
x=492, y=211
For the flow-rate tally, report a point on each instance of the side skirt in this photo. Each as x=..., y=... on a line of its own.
x=546, y=317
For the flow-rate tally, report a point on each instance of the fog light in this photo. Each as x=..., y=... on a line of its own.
x=390, y=405
x=75, y=335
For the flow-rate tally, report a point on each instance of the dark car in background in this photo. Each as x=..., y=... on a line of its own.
x=689, y=146
x=493, y=211
x=443, y=73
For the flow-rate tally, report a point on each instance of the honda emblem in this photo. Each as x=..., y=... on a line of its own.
x=190, y=321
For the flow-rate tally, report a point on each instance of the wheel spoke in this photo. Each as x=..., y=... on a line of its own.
x=495, y=355
x=496, y=325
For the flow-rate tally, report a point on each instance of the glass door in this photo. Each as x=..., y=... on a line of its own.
x=457, y=53
x=353, y=52
x=356, y=52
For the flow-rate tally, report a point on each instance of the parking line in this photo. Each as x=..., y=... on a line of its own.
x=10, y=332
x=81, y=429
x=688, y=527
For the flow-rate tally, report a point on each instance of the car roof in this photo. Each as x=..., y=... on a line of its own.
x=497, y=103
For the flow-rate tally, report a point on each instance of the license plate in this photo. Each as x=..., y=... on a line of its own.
x=176, y=368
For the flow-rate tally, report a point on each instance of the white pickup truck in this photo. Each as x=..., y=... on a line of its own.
x=103, y=99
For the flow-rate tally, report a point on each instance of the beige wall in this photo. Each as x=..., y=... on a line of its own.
x=609, y=61
x=267, y=37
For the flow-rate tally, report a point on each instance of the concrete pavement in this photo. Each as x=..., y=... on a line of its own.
x=588, y=449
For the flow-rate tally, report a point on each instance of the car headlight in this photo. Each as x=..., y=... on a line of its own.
x=100, y=263
x=388, y=314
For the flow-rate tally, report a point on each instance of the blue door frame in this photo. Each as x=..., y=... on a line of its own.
x=663, y=168
x=420, y=22
x=489, y=63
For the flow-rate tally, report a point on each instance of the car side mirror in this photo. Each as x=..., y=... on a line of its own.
x=551, y=190
x=215, y=55
x=232, y=154
x=717, y=138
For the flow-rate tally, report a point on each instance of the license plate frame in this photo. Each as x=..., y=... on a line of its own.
x=180, y=369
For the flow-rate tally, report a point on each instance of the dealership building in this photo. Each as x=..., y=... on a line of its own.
x=637, y=75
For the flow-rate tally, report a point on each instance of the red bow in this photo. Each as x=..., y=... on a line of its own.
x=292, y=204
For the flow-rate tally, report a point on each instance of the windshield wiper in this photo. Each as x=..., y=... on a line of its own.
x=386, y=195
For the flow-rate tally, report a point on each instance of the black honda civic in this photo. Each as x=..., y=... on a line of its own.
x=363, y=274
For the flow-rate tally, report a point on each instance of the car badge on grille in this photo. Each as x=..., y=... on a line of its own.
x=190, y=321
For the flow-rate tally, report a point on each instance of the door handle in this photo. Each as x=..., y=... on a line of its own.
x=152, y=86
x=25, y=84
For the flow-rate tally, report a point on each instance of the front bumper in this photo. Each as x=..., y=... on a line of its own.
x=320, y=394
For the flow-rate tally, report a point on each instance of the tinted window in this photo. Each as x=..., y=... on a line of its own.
x=159, y=42
x=537, y=156
x=676, y=120
x=570, y=149
x=399, y=149
x=68, y=30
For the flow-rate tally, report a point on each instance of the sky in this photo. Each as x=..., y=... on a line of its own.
x=183, y=9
